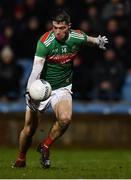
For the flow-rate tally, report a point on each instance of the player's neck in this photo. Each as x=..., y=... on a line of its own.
x=65, y=38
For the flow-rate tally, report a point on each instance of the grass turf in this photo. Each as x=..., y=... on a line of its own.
x=69, y=163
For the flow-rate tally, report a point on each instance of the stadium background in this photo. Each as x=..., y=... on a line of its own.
x=102, y=79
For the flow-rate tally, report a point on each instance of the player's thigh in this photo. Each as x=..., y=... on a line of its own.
x=63, y=107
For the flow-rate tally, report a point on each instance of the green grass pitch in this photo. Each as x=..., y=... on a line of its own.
x=69, y=164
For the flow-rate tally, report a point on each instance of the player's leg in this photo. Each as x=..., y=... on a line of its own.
x=63, y=111
x=25, y=140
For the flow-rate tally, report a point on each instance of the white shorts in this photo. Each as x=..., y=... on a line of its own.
x=56, y=96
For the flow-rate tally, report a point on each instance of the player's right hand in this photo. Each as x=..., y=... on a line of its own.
x=29, y=101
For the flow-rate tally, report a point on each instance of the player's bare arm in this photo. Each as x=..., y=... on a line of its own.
x=101, y=41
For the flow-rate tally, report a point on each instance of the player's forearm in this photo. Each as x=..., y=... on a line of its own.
x=36, y=70
x=92, y=40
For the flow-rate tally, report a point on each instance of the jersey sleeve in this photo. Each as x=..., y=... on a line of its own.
x=41, y=50
x=81, y=36
x=85, y=37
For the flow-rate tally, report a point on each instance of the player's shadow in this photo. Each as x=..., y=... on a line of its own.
x=51, y=168
x=58, y=168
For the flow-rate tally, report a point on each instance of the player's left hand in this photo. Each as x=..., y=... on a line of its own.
x=101, y=41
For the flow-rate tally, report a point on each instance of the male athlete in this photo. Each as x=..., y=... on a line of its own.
x=53, y=62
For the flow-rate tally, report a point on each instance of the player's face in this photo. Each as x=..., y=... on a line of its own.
x=61, y=30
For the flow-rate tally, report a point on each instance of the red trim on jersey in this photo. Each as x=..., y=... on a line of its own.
x=45, y=36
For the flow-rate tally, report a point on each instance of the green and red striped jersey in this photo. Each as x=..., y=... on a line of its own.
x=58, y=67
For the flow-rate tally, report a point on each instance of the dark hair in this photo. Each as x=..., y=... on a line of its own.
x=61, y=15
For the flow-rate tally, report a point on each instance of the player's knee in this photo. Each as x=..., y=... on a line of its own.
x=65, y=119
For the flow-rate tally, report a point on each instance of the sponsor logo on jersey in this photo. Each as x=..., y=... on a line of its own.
x=61, y=59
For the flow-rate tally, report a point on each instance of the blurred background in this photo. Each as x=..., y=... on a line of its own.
x=102, y=79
